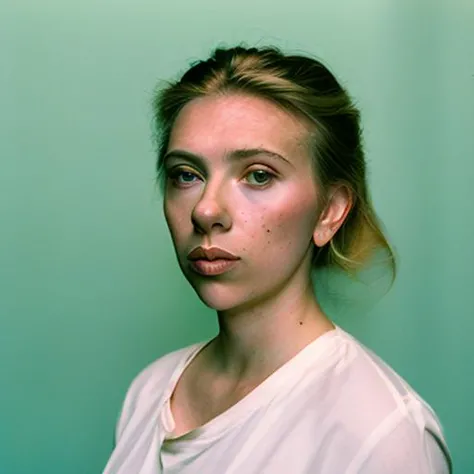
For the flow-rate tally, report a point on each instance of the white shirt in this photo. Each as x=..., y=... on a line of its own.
x=334, y=408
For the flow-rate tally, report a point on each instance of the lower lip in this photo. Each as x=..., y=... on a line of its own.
x=214, y=267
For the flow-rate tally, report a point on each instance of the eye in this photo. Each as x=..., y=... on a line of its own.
x=261, y=177
x=181, y=177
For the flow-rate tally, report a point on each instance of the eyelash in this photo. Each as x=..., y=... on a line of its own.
x=174, y=174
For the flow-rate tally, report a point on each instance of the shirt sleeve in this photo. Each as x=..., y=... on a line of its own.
x=123, y=414
x=129, y=403
x=405, y=451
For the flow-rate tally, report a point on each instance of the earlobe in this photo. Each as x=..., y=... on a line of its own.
x=322, y=236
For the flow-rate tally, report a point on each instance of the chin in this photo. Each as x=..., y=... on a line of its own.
x=217, y=296
x=218, y=301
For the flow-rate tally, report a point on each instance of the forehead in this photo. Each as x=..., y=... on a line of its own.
x=213, y=124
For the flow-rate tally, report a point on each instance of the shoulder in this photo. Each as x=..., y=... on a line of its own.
x=371, y=383
x=402, y=447
x=384, y=415
x=149, y=386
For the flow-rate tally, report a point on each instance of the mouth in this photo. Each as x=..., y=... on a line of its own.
x=212, y=267
x=212, y=261
x=211, y=254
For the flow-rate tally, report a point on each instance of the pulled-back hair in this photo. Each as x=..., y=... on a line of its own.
x=304, y=87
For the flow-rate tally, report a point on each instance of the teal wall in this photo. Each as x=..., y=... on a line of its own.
x=89, y=288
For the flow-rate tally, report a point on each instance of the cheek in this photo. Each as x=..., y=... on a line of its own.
x=288, y=227
x=175, y=219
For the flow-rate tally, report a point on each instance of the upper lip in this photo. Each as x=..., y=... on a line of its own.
x=211, y=253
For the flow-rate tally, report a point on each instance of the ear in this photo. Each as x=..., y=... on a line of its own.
x=332, y=217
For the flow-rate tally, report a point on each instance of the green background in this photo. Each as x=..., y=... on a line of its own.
x=89, y=288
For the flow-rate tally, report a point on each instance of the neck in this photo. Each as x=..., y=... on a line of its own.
x=254, y=341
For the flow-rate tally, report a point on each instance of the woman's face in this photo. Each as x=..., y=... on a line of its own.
x=261, y=206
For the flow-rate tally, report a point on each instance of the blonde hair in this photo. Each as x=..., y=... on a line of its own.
x=304, y=87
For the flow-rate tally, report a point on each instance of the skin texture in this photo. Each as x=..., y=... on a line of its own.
x=266, y=211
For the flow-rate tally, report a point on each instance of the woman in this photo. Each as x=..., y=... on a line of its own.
x=263, y=177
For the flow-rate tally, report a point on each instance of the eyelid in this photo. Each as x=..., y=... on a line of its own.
x=191, y=169
x=173, y=170
x=261, y=167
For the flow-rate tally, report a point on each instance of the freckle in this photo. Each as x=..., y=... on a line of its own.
x=301, y=323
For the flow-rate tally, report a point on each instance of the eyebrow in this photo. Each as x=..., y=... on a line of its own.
x=233, y=155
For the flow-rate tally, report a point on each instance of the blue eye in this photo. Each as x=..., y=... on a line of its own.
x=187, y=176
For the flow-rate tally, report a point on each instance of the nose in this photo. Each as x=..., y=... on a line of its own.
x=211, y=211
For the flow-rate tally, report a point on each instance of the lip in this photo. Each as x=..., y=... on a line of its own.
x=212, y=268
x=210, y=254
